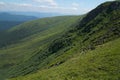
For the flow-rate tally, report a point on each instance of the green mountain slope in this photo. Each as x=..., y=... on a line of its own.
x=27, y=29
x=99, y=64
x=95, y=29
x=35, y=38
x=81, y=52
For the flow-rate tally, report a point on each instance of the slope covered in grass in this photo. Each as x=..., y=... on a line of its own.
x=99, y=64
x=27, y=29
x=34, y=39
x=94, y=29
x=80, y=51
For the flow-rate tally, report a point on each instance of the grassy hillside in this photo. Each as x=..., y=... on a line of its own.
x=94, y=29
x=68, y=48
x=99, y=64
x=34, y=39
x=27, y=29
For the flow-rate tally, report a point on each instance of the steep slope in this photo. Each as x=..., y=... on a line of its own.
x=99, y=64
x=99, y=26
x=37, y=35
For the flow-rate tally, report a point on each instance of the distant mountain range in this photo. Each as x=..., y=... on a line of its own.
x=10, y=19
x=14, y=17
x=37, y=14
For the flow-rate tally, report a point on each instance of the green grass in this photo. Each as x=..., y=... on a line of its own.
x=99, y=64
x=27, y=29
x=13, y=54
x=65, y=48
x=36, y=39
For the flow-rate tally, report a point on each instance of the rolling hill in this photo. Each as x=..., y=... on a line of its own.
x=37, y=14
x=4, y=16
x=64, y=48
x=8, y=20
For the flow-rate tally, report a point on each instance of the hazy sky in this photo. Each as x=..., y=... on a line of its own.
x=57, y=6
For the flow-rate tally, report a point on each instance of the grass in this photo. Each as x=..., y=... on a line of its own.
x=71, y=49
x=13, y=54
x=99, y=64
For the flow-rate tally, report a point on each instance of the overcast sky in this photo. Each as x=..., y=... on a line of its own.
x=56, y=6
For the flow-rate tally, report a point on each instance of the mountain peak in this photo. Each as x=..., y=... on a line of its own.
x=104, y=8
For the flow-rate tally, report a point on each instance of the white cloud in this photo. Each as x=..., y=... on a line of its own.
x=35, y=8
x=75, y=4
x=25, y=4
x=47, y=2
x=2, y=3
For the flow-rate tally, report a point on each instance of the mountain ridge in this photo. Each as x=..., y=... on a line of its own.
x=8, y=20
x=4, y=16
